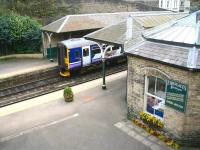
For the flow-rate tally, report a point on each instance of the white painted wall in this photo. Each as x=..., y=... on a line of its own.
x=175, y=5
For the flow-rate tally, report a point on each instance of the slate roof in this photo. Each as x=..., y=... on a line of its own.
x=155, y=20
x=164, y=53
x=80, y=22
x=116, y=34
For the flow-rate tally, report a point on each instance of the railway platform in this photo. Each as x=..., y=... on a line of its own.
x=47, y=122
x=17, y=66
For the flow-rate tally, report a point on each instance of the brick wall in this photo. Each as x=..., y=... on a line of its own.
x=184, y=127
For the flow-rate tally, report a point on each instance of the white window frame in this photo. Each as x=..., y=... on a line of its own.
x=146, y=93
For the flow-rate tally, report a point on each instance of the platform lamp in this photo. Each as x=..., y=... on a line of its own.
x=103, y=52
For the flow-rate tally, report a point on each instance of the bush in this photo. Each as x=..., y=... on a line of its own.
x=20, y=33
x=68, y=94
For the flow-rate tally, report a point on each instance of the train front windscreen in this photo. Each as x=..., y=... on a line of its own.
x=62, y=54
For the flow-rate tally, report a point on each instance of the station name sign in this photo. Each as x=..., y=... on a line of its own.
x=176, y=95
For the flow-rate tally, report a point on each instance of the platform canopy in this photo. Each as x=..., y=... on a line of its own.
x=82, y=22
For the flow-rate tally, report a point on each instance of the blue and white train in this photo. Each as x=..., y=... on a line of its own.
x=79, y=52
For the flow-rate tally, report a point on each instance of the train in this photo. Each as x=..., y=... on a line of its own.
x=78, y=53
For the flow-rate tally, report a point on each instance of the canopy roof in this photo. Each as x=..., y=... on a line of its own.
x=80, y=22
x=182, y=31
x=168, y=54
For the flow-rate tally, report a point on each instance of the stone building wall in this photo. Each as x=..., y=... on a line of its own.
x=184, y=127
x=192, y=115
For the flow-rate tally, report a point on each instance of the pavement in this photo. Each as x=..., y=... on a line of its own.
x=95, y=120
x=13, y=67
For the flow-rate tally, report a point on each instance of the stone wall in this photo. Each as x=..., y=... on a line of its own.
x=106, y=6
x=194, y=5
x=192, y=115
x=184, y=127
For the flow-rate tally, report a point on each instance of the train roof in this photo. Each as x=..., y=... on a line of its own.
x=77, y=42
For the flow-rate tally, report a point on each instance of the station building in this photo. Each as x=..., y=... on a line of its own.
x=163, y=71
x=163, y=77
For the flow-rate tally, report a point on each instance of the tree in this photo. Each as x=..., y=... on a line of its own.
x=21, y=33
x=42, y=10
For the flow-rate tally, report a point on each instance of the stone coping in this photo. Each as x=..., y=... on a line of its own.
x=28, y=70
x=34, y=56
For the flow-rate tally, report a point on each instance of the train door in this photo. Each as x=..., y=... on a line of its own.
x=86, y=56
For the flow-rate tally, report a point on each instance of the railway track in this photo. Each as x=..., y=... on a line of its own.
x=33, y=89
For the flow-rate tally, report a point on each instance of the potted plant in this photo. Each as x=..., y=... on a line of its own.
x=68, y=94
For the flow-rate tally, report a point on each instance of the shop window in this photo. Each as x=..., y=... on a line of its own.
x=155, y=96
x=85, y=52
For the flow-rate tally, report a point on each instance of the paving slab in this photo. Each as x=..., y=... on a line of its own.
x=47, y=122
x=142, y=136
x=13, y=67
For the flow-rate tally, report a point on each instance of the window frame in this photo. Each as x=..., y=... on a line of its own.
x=96, y=49
x=146, y=94
x=86, y=51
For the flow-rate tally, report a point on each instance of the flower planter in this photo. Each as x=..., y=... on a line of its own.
x=68, y=98
x=68, y=94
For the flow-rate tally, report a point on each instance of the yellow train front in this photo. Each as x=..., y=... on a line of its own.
x=77, y=53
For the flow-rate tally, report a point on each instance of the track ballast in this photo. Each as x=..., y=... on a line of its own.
x=33, y=89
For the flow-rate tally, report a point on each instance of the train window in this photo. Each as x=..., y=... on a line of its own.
x=104, y=46
x=96, y=51
x=108, y=50
x=77, y=54
x=86, y=52
x=115, y=47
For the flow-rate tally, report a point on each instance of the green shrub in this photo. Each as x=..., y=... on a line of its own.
x=68, y=94
x=20, y=33
x=68, y=91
